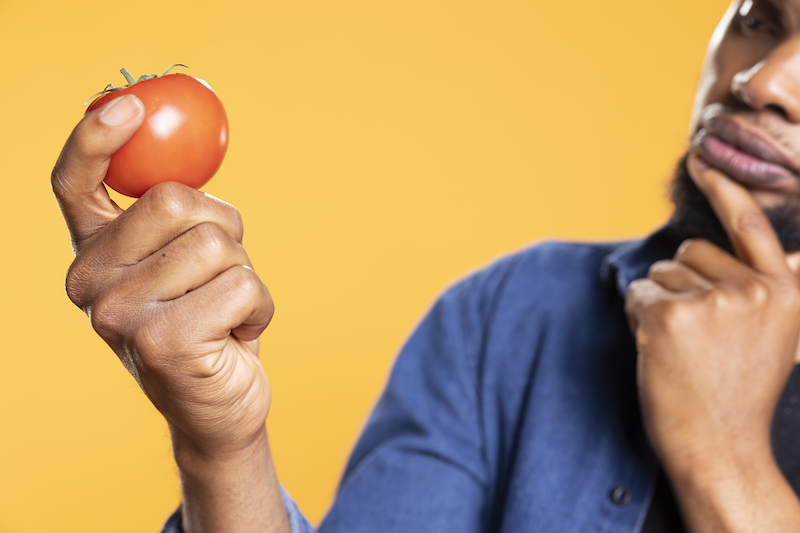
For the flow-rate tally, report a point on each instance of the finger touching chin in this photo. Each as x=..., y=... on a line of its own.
x=701, y=172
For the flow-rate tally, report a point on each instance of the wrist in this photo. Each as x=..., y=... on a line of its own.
x=733, y=492
x=193, y=453
x=230, y=489
x=692, y=450
x=728, y=464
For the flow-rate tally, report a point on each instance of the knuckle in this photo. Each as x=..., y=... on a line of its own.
x=654, y=310
x=269, y=305
x=211, y=239
x=171, y=200
x=63, y=182
x=57, y=178
x=106, y=316
x=81, y=283
x=659, y=267
x=245, y=280
x=635, y=296
x=238, y=224
x=635, y=288
x=690, y=247
x=661, y=317
x=75, y=284
x=666, y=313
x=86, y=277
x=233, y=219
x=655, y=268
x=756, y=292
x=717, y=299
x=751, y=222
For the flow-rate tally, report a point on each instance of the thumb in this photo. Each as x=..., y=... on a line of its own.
x=79, y=172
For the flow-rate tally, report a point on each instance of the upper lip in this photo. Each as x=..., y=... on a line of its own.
x=750, y=140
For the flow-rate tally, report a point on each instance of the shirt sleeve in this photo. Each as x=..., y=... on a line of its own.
x=297, y=522
x=420, y=462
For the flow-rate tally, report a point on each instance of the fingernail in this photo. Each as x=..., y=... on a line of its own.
x=121, y=111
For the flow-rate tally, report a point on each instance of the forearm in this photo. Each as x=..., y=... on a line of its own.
x=236, y=493
x=747, y=494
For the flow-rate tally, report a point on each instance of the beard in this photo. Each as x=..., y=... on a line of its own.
x=694, y=218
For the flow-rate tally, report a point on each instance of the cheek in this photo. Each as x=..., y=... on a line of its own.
x=712, y=90
x=728, y=61
x=711, y=87
x=722, y=64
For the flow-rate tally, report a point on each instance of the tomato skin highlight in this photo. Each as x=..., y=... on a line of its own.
x=184, y=136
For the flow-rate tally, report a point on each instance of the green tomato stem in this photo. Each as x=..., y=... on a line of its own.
x=128, y=76
x=110, y=87
x=173, y=66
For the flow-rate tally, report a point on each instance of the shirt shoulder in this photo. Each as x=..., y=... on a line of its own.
x=534, y=275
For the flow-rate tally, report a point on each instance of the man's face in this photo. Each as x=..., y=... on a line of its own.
x=746, y=119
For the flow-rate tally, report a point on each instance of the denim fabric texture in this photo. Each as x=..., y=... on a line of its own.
x=512, y=408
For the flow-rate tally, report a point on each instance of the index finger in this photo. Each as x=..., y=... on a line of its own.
x=77, y=178
x=753, y=240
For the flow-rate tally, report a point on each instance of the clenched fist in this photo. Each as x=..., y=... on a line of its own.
x=168, y=285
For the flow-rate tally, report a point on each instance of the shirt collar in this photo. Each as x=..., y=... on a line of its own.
x=631, y=260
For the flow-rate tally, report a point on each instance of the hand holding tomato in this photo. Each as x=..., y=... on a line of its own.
x=184, y=136
x=168, y=285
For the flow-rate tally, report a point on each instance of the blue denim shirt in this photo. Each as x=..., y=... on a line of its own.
x=512, y=408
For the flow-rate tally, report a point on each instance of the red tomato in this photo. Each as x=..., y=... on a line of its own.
x=184, y=136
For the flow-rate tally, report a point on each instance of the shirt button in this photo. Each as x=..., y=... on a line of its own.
x=620, y=496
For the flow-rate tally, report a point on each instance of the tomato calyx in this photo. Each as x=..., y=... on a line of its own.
x=131, y=81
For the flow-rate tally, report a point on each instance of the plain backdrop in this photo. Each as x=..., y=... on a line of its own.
x=379, y=150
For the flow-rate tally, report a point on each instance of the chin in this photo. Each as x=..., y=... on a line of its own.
x=693, y=217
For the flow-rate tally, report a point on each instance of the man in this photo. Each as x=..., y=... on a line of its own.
x=520, y=403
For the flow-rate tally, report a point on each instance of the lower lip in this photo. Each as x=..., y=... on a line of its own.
x=744, y=168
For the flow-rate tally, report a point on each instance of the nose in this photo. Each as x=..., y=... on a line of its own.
x=774, y=82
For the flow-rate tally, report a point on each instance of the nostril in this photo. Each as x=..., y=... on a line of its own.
x=778, y=110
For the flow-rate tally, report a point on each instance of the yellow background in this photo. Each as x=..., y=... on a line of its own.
x=379, y=150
